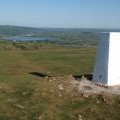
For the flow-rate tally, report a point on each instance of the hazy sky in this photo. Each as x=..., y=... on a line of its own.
x=61, y=13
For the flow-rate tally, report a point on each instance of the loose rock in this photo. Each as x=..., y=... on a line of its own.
x=60, y=87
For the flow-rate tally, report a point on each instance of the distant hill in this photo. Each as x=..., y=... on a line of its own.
x=8, y=30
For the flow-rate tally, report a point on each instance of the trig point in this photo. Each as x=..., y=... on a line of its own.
x=107, y=66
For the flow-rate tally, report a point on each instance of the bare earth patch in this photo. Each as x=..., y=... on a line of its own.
x=86, y=86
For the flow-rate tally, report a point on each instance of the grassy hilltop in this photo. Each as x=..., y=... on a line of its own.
x=35, y=83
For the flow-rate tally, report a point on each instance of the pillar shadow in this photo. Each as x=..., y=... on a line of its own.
x=39, y=74
x=79, y=77
x=88, y=76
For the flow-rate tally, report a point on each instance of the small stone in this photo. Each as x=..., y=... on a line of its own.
x=60, y=87
x=43, y=93
x=51, y=91
x=54, y=78
x=97, y=101
x=79, y=117
x=46, y=77
x=50, y=80
x=70, y=77
x=40, y=117
x=85, y=95
x=24, y=93
x=60, y=95
x=19, y=106
x=83, y=77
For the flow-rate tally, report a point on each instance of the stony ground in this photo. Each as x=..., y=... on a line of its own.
x=87, y=86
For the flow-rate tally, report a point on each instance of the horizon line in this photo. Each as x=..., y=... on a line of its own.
x=59, y=27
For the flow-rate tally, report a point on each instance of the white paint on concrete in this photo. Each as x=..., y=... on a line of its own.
x=107, y=66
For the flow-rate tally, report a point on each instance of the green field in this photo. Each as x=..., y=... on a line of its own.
x=26, y=96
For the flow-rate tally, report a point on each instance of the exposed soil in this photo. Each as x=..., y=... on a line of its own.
x=87, y=86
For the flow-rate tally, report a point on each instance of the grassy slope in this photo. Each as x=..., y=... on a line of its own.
x=27, y=97
x=63, y=60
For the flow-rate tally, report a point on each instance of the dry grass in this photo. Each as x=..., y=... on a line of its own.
x=25, y=96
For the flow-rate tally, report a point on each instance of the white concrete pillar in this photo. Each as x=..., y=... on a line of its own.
x=107, y=66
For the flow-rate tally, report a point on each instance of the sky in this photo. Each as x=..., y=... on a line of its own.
x=61, y=13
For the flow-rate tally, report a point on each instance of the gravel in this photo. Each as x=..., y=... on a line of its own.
x=90, y=87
